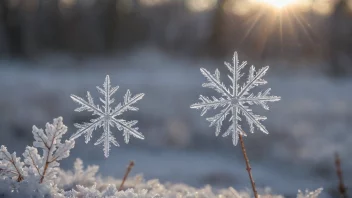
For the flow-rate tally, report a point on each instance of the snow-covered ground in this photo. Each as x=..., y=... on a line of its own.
x=306, y=127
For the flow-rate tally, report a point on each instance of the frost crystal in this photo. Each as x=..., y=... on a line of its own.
x=308, y=194
x=236, y=99
x=107, y=116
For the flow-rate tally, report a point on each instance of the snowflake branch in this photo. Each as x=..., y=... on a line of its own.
x=208, y=103
x=85, y=128
x=107, y=138
x=129, y=129
x=215, y=82
x=251, y=83
x=234, y=125
x=89, y=106
x=127, y=104
x=218, y=119
x=260, y=99
x=252, y=119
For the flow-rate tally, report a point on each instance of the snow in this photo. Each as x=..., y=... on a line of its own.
x=42, y=177
x=306, y=127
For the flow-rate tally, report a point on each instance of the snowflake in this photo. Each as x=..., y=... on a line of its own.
x=236, y=99
x=107, y=117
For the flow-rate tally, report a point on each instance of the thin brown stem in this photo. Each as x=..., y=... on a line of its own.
x=248, y=166
x=342, y=187
x=129, y=168
x=44, y=172
x=47, y=161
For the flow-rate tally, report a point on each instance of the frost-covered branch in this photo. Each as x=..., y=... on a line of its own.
x=10, y=165
x=53, y=150
x=36, y=167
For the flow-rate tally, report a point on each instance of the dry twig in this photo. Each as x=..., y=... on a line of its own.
x=342, y=187
x=129, y=168
x=248, y=166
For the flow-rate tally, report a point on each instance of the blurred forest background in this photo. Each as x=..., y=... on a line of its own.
x=50, y=49
x=309, y=29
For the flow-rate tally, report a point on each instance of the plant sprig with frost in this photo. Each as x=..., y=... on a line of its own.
x=36, y=169
x=41, y=167
x=10, y=165
x=107, y=116
x=236, y=99
x=79, y=176
x=45, y=167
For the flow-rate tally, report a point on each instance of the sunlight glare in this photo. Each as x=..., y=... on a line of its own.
x=278, y=3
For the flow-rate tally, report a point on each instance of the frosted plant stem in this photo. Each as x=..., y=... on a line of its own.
x=248, y=166
x=129, y=168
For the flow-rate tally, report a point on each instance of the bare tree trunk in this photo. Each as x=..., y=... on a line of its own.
x=29, y=13
x=217, y=30
x=337, y=42
x=110, y=20
x=12, y=28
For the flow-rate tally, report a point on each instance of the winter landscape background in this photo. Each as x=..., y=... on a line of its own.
x=51, y=49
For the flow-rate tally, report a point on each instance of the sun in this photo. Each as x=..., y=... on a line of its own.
x=278, y=3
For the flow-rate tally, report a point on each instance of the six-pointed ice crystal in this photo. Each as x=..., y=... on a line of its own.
x=236, y=99
x=107, y=116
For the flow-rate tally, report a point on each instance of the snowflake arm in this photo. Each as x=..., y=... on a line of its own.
x=207, y=103
x=261, y=99
x=107, y=92
x=88, y=106
x=128, y=102
x=253, y=119
x=128, y=129
x=87, y=128
x=107, y=116
x=107, y=138
x=235, y=71
x=214, y=82
x=233, y=127
x=254, y=79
